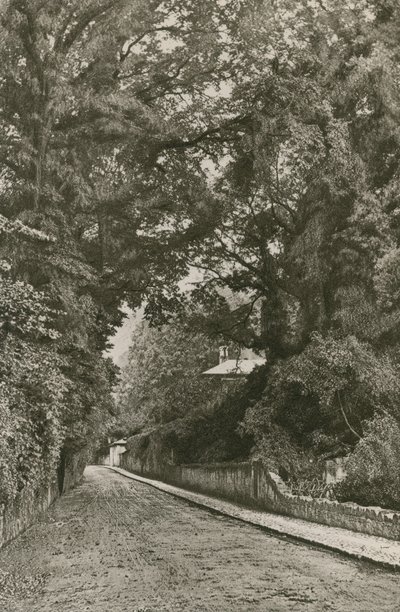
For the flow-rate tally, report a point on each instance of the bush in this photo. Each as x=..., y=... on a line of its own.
x=316, y=488
x=317, y=404
x=373, y=475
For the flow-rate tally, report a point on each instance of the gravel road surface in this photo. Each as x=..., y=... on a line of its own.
x=114, y=544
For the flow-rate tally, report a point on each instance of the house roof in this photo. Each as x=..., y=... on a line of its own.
x=118, y=443
x=235, y=367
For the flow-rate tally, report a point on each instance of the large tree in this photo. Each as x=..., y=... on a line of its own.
x=300, y=213
x=91, y=94
x=257, y=142
x=293, y=217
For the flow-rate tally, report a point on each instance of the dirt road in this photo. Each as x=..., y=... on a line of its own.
x=114, y=544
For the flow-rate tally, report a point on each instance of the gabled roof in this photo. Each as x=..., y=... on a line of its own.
x=235, y=367
x=118, y=443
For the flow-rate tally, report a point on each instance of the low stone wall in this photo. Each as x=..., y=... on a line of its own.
x=230, y=480
x=273, y=495
x=24, y=510
x=30, y=503
x=252, y=485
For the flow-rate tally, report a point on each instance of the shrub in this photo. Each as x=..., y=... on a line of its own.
x=373, y=475
x=319, y=402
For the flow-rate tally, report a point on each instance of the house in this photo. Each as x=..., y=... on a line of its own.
x=116, y=450
x=113, y=457
x=232, y=369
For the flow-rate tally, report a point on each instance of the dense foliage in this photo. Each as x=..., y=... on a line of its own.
x=187, y=418
x=301, y=216
x=372, y=470
x=256, y=142
x=32, y=383
x=162, y=380
x=91, y=95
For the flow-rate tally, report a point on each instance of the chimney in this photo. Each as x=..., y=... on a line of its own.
x=223, y=354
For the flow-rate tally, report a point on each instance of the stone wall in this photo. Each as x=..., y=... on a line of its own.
x=252, y=485
x=273, y=495
x=24, y=510
x=230, y=480
x=30, y=503
x=74, y=465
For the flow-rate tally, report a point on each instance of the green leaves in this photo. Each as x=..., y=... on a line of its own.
x=25, y=311
x=255, y=143
x=323, y=398
x=372, y=470
x=32, y=391
x=162, y=381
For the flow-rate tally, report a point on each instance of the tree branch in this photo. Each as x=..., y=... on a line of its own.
x=243, y=321
x=353, y=431
x=83, y=21
x=29, y=40
x=178, y=143
x=12, y=166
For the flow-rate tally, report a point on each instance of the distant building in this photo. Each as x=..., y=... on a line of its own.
x=115, y=450
x=231, y=369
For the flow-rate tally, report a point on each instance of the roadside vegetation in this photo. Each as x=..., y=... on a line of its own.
x=257, y=143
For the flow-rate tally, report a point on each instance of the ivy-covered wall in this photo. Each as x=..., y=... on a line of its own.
x=26, y=507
